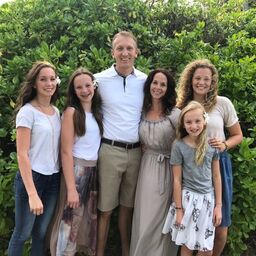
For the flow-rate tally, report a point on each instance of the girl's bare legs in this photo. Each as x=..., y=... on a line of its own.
x=208, y=253
x=221, y=234
x=185, y=251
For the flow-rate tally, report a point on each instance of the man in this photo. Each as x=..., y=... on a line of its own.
x=121, y=89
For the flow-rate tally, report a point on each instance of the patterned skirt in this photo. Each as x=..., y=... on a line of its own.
x=76, y=229
x=196, y=231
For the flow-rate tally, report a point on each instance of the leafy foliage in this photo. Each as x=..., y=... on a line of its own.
x=72, y=33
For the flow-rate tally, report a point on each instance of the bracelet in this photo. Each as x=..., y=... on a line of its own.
x=178, y=208
x=226, y=146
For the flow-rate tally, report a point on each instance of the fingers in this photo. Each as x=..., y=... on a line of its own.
x=216, y=143
x=73, y=199
x=73, y=204
x=217, y=221
x=177, y=224
x=35, y=204
x=38, y=210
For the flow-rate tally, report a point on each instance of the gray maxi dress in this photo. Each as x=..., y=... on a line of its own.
x=154, y=187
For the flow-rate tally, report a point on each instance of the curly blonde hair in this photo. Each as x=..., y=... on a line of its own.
x=185, y=89
x=202, y=138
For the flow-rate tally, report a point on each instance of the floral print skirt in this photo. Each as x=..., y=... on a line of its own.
x=79, y=226
x=196, y=231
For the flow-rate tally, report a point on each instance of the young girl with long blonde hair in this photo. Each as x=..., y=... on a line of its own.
x=196, y=207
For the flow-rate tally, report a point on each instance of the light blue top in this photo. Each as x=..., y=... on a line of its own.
x=195, y=178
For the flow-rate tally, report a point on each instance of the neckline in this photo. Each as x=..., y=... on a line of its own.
x=155, y=121
x=187, y=144
x=43, y=112
x=122, y=75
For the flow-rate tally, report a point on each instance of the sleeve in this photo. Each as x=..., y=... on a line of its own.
x=216, y=154
x=174, y=117
x=57, y=111
x=230, y=116
x=176, y=154
x=25, y=118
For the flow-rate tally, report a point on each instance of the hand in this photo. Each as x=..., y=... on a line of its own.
x=35, y=204
x=217, y=215
x=73, y=200
x=217, y=143
x=179, y=216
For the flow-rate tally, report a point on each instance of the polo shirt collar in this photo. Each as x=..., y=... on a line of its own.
x=114, y=72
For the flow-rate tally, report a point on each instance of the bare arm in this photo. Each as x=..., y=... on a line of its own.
x=177, y=193
x=67, y=141
x=23, y=145
x=217, y=215
x=235, y=138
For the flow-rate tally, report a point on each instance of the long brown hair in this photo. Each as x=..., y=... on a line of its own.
x=73, y=101
x=185, y=89
x=28, y=91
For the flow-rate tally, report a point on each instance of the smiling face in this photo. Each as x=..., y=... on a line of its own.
x=194, y=122
x=84, y=88
x=124, y=51
x=46, y=82
x=158, y=87
x=201, y=82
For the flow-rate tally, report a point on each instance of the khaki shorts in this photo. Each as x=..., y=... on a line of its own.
x=118, y=173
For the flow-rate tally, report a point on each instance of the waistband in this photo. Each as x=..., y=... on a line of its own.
x=160, y=154
x=84, y=163
x=121, y=144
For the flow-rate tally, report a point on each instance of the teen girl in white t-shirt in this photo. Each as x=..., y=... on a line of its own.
x=37, y=181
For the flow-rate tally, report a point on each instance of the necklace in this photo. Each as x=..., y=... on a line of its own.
x=54, y=149
x=44, y=108
x=42, y=105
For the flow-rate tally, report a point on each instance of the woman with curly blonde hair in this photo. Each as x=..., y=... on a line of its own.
x=199, y=82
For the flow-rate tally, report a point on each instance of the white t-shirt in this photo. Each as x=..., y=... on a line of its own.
x=87, y=146
x=222, y=115
x=44, y=140
x=122, y=100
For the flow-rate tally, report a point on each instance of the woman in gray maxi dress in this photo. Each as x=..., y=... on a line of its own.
x=153, y=193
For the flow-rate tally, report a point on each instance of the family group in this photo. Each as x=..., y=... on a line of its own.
x=129, y=140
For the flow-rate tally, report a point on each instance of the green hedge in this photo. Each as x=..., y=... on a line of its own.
x=72, y=33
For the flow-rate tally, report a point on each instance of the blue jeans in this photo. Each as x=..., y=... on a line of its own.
x=227, y=188
x=28, y=224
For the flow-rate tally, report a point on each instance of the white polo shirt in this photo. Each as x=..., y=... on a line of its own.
x=122, y=99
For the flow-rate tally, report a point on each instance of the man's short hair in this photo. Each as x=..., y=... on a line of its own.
x=127, y=34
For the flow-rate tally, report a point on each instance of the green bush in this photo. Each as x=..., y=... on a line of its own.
x=72, y=33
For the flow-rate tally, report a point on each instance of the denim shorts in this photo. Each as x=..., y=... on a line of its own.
x=227, y=188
